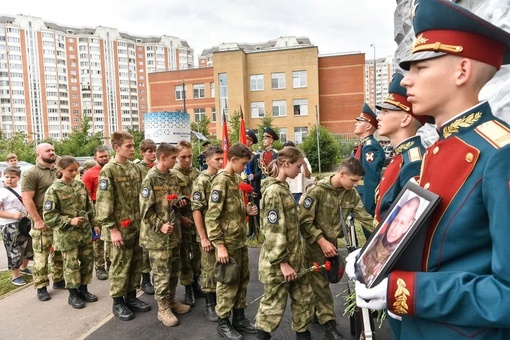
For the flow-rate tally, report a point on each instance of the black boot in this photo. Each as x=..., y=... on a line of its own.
x=74, y=299
x=120, y=310
x=209, y=307
x=197, y=289
x=146, y=285
x=330, y=331
x=241, y=323
x=85, y=295
x=304, y=335
x=189, y=297
x=263, y=335
x=42, y=294
x=226, y=330
x=59, y=284
x=135, y=304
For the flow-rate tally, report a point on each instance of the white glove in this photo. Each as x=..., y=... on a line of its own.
x=250, y=177
x=372, y=298
x=349, y=266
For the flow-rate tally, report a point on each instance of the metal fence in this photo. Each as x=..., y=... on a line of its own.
x=346, y=142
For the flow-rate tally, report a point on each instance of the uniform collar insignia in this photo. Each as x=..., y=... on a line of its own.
x=462, y=122
x=403, y=147
x=365, y=139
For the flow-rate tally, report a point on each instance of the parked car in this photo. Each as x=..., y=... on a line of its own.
x=22, y=165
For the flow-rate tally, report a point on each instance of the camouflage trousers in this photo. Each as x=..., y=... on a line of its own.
x=41, y=243
x=146, y=263
x=233, y=295
x=100, y=255
x=126, y=268
x=17, y=246
x=273, y=303
x=78, y=265
x=207, y=280
x=165, y=266
x=189, y=257
x=324, y=308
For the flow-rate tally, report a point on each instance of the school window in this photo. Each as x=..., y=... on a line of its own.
x=198, y=91
x=283, y=134
x=277, y=81
x=300, y=134
x=279, y=108
x=199, y=114
x=300, y=107
x=256, y=82
x=257, y=109
x=213, y=91
x=179, y=92
x=213, y=115
x=299, y=79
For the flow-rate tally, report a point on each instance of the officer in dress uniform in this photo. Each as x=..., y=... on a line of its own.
x=463, y=288
x=398, y=122
x=251, y=138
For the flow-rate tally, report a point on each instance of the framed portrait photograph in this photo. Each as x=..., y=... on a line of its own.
x=409, y=212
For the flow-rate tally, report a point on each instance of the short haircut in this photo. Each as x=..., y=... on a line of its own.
x=183, y=144
x=11, y=156
x=65, y=161
x=165, y=149
x=239, y=150
x=101, y=148
x=353, y=166
x=147, y=145
x=118, y=137
x=212, y=151
x=12, y=170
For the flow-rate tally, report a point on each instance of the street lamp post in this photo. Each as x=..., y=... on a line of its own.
x=375, y=79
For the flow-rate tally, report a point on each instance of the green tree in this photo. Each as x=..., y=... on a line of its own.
x=234, y=125
x=138, y=136
x=19, y=145
x=81, y=142
x=203, y=127
x=329, y=149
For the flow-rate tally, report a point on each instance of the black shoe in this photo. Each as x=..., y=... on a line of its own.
x=85, y=295
x=226, y=330
x=304, y=335
x=42, y=294
x=262, y=335
x=197, y=289
x=241, y=323
x=74, y=299
x=189, y=297
x=135, y=304
x=121, y=311
x=330, y=331
x=210, y=312
x=146, y=285
x=59, y=284
x=101, y=274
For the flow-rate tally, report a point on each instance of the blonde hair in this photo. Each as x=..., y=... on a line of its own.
x=288, y=153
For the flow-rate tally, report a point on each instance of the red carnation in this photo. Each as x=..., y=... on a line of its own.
x=172, y=197
x=327, y=266
x=316, y=267
x=52, y=249
x=246, y=188
x=125, y=223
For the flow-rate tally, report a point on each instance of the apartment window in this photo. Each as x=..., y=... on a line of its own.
x=300, y=134
x=198, y=91
x=279, y=108
x=213, y=91
x=283, y=134
x=257, y=82
x=213, y=115
x=299, y=79
x=277, y=81
x=300, y=107
x=199, y=114
x=257, y=109
x=179, y=92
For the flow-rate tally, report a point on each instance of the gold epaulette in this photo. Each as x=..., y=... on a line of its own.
x=497, y=134
x=414, y=154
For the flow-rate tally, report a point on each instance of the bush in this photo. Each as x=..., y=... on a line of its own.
x=329, y=149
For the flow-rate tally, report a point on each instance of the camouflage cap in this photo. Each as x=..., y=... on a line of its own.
x=89, y=163
x=226, y=273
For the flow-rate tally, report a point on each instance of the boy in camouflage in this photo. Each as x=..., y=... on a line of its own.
x=213, y=158
x=281, y=256
x=226, y=227
x=118, y=212
x=190, y=246
x=148, y=151
x=69, y=212
x=160, y=232
x=321, y=226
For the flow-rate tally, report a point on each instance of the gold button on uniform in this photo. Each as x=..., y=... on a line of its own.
x=436, y=150
x=426, y=186
x=469, y=157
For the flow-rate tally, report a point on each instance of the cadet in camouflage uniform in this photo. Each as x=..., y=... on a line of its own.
x=226, y=228
x=36, y=181
x=190, y=247
x=213, y=158
x=118, y=212
x=281, y=256
x=319, y=217
x=160, y=232
x=69, y=212
x=148, y=151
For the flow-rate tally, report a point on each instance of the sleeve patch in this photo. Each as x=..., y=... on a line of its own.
x=103, y=184
x=370, y=156
x=48, y=205
x=216, y=196
x=145, y=192
x=197, y=196
x=272, y=216
x=307, y=203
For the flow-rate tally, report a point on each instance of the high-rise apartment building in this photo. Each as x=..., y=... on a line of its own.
x=52, y=76
x=383, y=71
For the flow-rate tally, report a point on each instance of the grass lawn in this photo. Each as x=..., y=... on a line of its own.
x=5, y=283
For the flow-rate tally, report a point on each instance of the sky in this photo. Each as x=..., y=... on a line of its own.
x=334, y=26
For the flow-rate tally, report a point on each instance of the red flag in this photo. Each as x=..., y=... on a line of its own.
x=242, y=129
x=226, y=145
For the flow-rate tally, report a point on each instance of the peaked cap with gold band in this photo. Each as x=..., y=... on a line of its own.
x=367, y=115
x=396, y=100
x=443, y=27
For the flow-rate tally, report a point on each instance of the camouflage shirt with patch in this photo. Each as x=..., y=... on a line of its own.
x=185, y=178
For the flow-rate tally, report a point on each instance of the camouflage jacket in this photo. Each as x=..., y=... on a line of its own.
x=319, y=215
x=155, y=211
x=225, y=220
x=62, y=202
x=117, y=200
x=144, y=168
x=185, y=179
x=280, y=224
x=201, y=192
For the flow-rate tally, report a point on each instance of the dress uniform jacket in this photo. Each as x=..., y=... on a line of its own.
x=463, y=290
x=405, y=165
